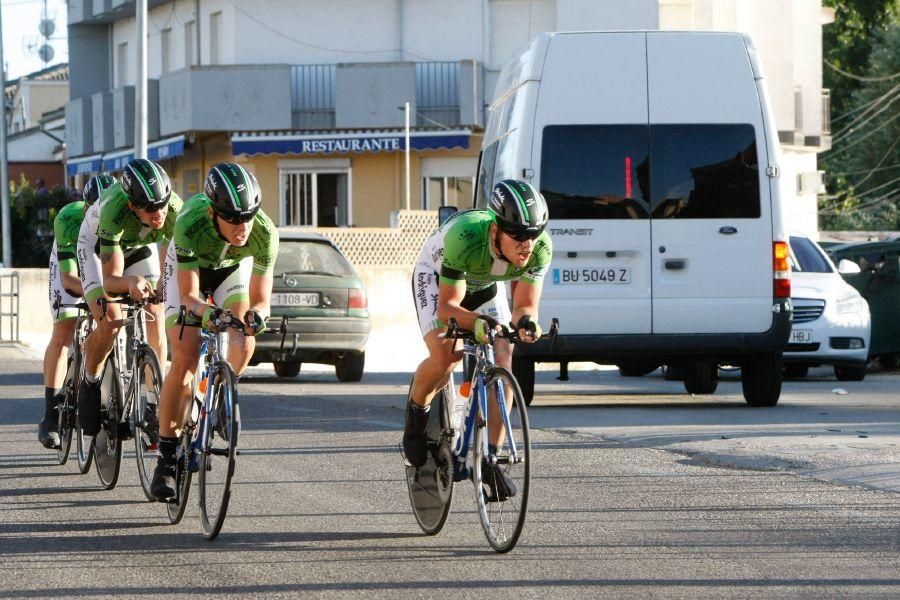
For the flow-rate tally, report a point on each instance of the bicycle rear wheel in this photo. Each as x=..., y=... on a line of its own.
x=65, y=424
x=222, y=427
x=431, y=485
x=84, y=448
x=501, y=510
x=108, y=443
x=144, y=416
x=175, y=509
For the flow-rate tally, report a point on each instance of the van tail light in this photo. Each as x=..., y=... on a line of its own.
x=358, y=298
x=782, y=271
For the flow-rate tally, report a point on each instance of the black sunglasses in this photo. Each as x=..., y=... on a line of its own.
x=239, y=219
x=523, y=235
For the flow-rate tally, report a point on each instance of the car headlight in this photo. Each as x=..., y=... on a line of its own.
x=851, y=302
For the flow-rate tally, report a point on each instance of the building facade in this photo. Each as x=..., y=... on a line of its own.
x=311, y=95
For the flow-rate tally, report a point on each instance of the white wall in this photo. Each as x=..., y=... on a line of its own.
x=800, y=211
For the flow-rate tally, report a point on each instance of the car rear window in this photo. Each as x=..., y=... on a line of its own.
x=806, y=258
x=683, y=171
x=300, y=257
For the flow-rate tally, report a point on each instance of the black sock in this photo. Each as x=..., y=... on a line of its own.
x=166, y=447
x=492, y=449
x=419, y=409
x=50, y=402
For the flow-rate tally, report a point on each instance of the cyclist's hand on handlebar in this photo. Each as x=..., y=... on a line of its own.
x=210, y=316
x=529, y=331
x=484, y=324
x=139, y=288
x=254, y=324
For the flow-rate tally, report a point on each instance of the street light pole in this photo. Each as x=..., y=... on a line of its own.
x=4, y=167
x=140, y=88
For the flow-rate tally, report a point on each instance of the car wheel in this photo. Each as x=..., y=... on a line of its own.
x=796, y=371
x=850, y=373
x=761, y=376
x=523, y=370
x=287, y=369
x=636, y=368
x=350, y=366
x=701, y=378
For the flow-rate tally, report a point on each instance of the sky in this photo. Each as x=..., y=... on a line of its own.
x=20, y=30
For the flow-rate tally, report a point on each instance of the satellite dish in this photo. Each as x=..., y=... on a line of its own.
x=46, y=53
x=47, y=27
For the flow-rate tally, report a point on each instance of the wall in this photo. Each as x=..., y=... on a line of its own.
x=53, y=173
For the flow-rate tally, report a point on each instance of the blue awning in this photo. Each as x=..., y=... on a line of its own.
x=346, y=142
x=87, y=165
x=161, y=150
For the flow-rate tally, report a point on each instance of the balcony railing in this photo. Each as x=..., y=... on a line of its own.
x=437, y=94
x=312, y=96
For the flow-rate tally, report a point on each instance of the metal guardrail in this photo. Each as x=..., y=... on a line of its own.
x=437, y=94
x=9, y=309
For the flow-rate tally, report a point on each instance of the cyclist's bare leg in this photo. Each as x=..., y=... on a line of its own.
x=56, y=353
x=156, y=332
x=496, y=431
x=433, y=372
x=176, y=390
x=99, y=343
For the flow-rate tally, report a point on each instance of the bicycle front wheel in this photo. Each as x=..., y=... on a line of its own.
x=217, y=462
x=65, y=424
x=502, y=479
x=108, y=442
x=144, y=416
x=175, y=508
x=84, y=448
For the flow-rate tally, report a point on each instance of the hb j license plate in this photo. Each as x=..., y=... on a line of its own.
x=296, y=299
x=592, y=275
x=801, y=336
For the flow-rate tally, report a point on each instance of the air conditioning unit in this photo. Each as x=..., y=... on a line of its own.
x=811, y=182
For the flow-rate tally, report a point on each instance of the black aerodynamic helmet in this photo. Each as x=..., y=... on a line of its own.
x=520, y=210
x=233, y=192
x=146, y=184
x=95, y=186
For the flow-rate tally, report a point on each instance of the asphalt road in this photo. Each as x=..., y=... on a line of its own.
x=639, y=490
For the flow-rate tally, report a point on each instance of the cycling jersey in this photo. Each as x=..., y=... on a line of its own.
x=120, y=228
x=198, y=244
x=66, y=226
x=460, y=251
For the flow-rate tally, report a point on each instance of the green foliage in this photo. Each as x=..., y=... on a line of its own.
x=31, y=220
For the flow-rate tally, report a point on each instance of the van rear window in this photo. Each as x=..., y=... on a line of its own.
x=621, y=171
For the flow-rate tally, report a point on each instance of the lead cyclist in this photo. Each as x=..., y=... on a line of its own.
x=459, y=275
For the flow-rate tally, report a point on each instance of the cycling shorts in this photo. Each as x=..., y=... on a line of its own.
x=489, y=301
x=143, y=261
x=57, y=291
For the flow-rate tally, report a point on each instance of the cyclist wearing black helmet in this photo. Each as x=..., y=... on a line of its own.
x=457, y=276
x=65, y=286
x=118, y=254
x=225, y=248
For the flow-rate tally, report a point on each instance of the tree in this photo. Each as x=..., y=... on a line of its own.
x=31, y=221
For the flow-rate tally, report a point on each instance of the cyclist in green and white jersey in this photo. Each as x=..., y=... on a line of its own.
x=460, y=274
x=118, y=254
x=225, y=248
x=65, y=286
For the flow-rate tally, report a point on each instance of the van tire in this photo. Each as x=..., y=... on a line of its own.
x=287, y=369
x=701, y=378
x=850, y=373
x=523, y=370
x=761, y=376
x=636, y=368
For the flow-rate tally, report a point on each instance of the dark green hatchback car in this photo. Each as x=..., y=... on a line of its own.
x=325, y=301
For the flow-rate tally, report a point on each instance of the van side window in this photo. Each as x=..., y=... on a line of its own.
x=596, y=171
x=486, y=175
x=704, y=172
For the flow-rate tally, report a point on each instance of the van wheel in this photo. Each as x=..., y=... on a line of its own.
x=701, y=378
x=523, y=370
x=636, y=368
x=761, y=376
x=796, y=371
x=287, y=369
x=350, y=366
x=850, y=373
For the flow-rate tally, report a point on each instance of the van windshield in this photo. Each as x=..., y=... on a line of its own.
x=684, y=171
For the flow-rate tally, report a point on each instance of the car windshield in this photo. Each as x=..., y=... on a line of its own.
x=806, y=258
x=306, y=257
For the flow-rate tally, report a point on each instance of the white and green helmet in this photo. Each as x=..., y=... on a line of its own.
x=146, y=184
x=233, y=192
x=520, y=210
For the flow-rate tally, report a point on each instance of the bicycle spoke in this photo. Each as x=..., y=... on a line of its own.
x=144, y=416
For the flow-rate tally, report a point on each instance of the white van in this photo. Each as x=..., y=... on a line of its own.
x=657, y=153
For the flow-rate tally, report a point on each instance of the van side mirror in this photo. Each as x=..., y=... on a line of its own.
x=444, y=213
x=848, y=267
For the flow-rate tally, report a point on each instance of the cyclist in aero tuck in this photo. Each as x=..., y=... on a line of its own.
x=225, y=247
x=457, y=276
x=117, y=254
x=66, y=287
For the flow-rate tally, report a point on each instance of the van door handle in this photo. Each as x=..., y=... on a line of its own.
x=728, y=230
x=675, y=265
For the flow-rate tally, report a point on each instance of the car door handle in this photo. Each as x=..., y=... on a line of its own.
x=675, y=265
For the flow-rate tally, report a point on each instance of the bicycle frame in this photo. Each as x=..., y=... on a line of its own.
x=210, y=358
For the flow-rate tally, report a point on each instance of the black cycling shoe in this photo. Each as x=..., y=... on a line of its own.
x=89, y=407
x=500, y=485
x=163, y=485
x=47, y=434
x=415, y=445
x=151, y=422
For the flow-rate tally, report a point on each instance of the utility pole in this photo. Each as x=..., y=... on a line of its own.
x=4, y=166
x=140, y=88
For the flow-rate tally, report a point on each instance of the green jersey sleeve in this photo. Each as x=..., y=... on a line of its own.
x=113, y=214
x=265, y=244
x=193, y=218
x=464, y=242
x=66, y=227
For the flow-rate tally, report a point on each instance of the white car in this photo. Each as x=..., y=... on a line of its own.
x=831, y=324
